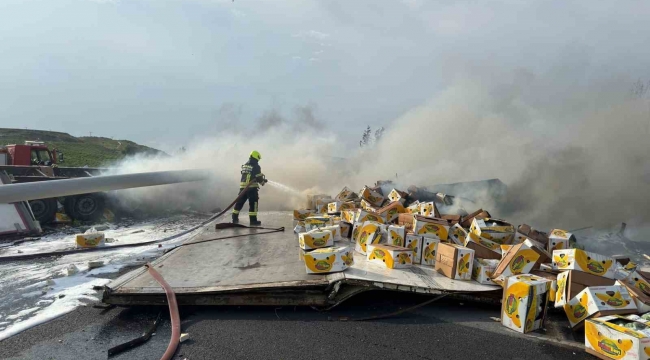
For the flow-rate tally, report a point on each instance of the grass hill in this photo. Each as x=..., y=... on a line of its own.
x=79, y=151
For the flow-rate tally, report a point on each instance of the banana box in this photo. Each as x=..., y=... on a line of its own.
x=523, y=307
x=639, y=288
x=369, y=233
x=336, y=231
x=617, y=337
x=345, y=195
x=481, y=249
x=458, y=235
x=394, y=257
x=497, y=231
x=429, y=209
x=328, y=260
x=90, y=240
x=552, y=293
x=414, y=208
x=348, y=216
x=397, y=195
x=483, y=269
x=495, y=247
x=317, y=222
x=429, y=247
x=364, y=216
x=396, y=235
x=559, y=240
x=431, y=227
x=301, y=215
x=316, y=239
x=597, y=301
x=391, y=212
x=527, y=232
x=321, y=209
x=469, y=218
x=406, y=220
x=338, y=206
x=373, y=197
x=571, y=282
x=346, y=229
x=592, y=263
x=454, y=261
x=520, y=259
x=299, y=227
x=414, y=242
x=365, y=205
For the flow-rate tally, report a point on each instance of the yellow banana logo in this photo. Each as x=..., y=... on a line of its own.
x=463, y=264
x=314, y=242
x=355, y=233
x=561, y=260
x=404, y=258
x=319, y=266
x=577, y=312
x=642, y=285
x=613, y=349
x=396, y=238
x=391, y=213
x=459, y=235
x=348, y=258
x=488, y=244
x=522, y=259
x=558, y=246
x=560, y=233
x=383, y=256
x=362, y=240
x=414, y=246
x=613, y=299
x=530, y=317
x=429, y=251
x=590, y=265
x=513, y=297
x=561, y=286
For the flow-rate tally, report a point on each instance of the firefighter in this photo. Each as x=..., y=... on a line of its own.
x=251, y=173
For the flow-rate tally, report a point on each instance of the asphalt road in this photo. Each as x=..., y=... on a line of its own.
x=447, y=329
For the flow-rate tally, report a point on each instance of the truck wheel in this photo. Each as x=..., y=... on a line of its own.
x=86, y=207
x=44, y=210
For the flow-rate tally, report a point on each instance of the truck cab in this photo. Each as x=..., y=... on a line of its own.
x=29, y=154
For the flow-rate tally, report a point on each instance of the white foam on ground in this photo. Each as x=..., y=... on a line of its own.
x=27, y=299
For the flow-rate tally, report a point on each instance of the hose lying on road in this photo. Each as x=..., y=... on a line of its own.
x=108, y=248
x=173, y=313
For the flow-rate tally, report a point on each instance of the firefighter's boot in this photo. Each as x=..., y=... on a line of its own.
x=254, y=221
x=235, y=218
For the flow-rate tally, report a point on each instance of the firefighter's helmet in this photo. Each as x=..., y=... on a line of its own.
x=256, y=155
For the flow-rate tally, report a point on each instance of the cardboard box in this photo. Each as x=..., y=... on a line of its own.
x=346, y=229
x=414, y=242
x=396, y=235
x=550, y=277
x=481, y=251
x=413, y=208
x=338, y=206
x=356, y=227
x=371, y=196
x=526, y=231
x=317, y=222
x=90, y=240
x=639, y=288
x=391, y=212
x=571, y=282
x=560, y=240
x=429, y=247
x=406, y=220
x=429, y=209
x=597, y=301
x=328, y=260
x=316, y=239
x=466, y=222
x=483, y=270
x=369, y=233
x=336, y=231
x=548, y=267
x=453, y=219
x=348, y=216
x=520, y=259
x=454, y=261
x=497, y=248
x=300, y=227
x=523, y=307
x=458, y=235
x=397, y=195
x=394, y=257
x=364, y=216
x=301, y=215
x=321, y=209
x=592, y=263
x=431, y=227
x=497, y=231
x=345, y=195
x=607, y=338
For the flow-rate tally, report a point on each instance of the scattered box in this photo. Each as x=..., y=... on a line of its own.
x=520, y=259
x=364, y=216
x=527, y=232
x=453, y=219
x=483, y=270
x=608, y=338
x=338, y=206
x=95, y=264
x=497, y=248
x=454, y=261
x=597, y=301
x=336, y=231
x=406, y=220
x=592, y=263
x=559, y=240
x=299, y=227
x=316, y=239
x=371, y=196
x=90, y=240
x=429, y=247
x=301, y=215
x=414, y=242
x=414, y=208
x=571, y=282
x=431, y=227
x=481, y=251
x=369, y=233
x=394, y=257
x=328, y=260
x=523, y=307
x=317, y=222
x=391, y=212
x=497, y=231
x=429, y=209
x=348, y=216
x=639, y=288
x=478, y=214
x=346, y=194
x=396, y=235
x=458, y=235
x=397, y=195
x=550, y=277
x=346, y=229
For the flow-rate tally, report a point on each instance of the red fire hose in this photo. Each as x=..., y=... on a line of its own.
x=173, y=313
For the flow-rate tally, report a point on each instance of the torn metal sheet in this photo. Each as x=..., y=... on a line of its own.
x=266, y=270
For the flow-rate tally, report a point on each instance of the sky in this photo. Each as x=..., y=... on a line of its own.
x=166, y=73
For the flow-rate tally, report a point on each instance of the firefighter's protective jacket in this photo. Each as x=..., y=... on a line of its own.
x=251, y=172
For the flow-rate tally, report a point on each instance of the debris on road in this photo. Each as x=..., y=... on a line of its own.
x=95, y=264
